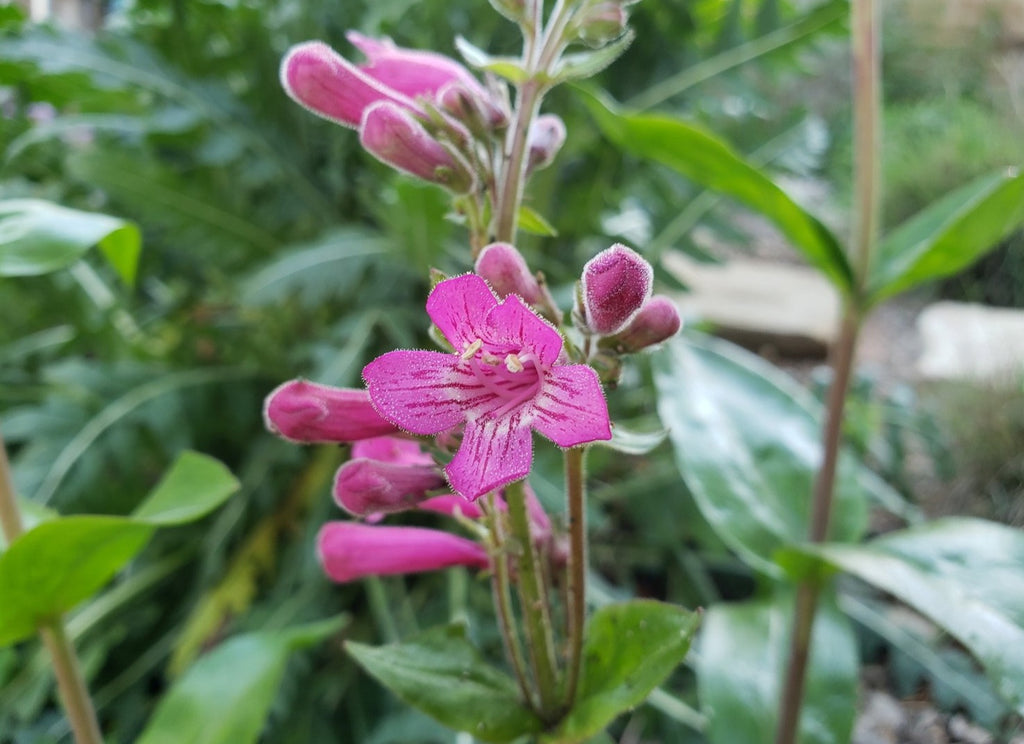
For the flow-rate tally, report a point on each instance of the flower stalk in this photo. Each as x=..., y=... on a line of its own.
x=70, y=682
x=577, y=577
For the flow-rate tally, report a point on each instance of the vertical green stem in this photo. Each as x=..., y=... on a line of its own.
x=513, y=175
x=867, y=104
x=70, y=681
x=577, y=578
x=535, y=602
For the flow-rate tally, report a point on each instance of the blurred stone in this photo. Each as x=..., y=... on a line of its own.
x=789, y=310
x=881, y=722
x=964, y=341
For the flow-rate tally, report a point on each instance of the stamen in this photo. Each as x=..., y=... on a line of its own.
x=471, y=350
x=513, y=364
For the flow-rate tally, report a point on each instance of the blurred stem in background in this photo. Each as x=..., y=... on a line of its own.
x=866, y=55
x=73, y=692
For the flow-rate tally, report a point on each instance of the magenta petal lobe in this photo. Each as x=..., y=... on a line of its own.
x=418, y=391
x=571, y=408
x=494, y=453
x=459, y=307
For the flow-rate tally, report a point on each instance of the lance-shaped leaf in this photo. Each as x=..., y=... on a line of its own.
x=967, y=576
x=949, y=235
x=37, y=237
x=54, y=566
x=710, y=162
x=748, y=444
x=442, y=674
x=226, y=696
x=629, y=650
x=743, y=650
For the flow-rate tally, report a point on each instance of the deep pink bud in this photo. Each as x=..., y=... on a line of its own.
x=473, y=106
x=449, y=504
x=506, y=271
x=324, y=82
x=306, y=412
x=350, y=550
x=395, y=450
x=547, y=135
x=657, y=321
x=409, y=71
x=616, y=284
x=394, y=136
x=363, y=487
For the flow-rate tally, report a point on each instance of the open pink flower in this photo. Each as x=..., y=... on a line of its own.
x=504, y=379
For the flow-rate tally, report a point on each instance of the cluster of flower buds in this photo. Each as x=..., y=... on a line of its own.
x=420, y=112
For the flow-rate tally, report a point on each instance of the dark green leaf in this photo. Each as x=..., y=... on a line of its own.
x=743, y=650
x=442, y=674
x=194, y=486
x=711, y=163
x=533, y=222
x=948, y=235
x=38, y=237
x=747, y=442
x=963, y=574
x=629, y=650
x=225, y=697
x=56, y=565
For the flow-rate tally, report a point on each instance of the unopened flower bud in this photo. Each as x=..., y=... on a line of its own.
x=306, y=412
x=657, y=321
x=395, y=450
x=450, y=505
x=395, y=137
x=602, y=22
x=349, y=550
x=616, y=284
x=547, y=135
x=473, y=107
x=363, y=487
x=506, y=271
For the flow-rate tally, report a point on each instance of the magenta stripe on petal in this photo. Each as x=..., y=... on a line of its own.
x=459, y=306
x=415, y=390
x=571, y=408
x=349, y=550
x=494, y=452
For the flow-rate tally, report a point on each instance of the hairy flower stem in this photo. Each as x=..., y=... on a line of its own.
x=867, y=104
x=513, y=172
x=535, y=600
x=577, y=576
x=70, y=682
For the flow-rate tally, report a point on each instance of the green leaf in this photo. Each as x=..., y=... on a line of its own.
x=587, y=64
x=748, y=445
x=440, y=673
x=533, y=222
x=32, y=513
x=56, y=565
x=630, y=649
x=225, y=697
x=194, y=486
x=963, y=574
x=711, y=163
x=743, y=650
x=949, y=235
x=38, y=237
x=508, y=68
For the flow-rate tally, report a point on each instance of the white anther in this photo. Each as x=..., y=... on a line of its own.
x=513, y=363
x=471, y=350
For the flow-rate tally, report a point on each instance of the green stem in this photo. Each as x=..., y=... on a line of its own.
x=513, y=173
x=577, y=574
x=70, y=682
x=535, y=602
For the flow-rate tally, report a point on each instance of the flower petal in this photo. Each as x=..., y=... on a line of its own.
x=422, y=392
x=349, y=550
x=514, y=325
x=493, y=453
x=324, y=82
x=459, y=308
x=571, y=408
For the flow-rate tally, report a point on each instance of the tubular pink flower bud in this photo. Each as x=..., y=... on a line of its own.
x=391, y=134
x=506, y=271
x=363, y=487
x=306, y=412
x=324, y=82
x=546, y=137
x=392, y=449
x=349, y=550
x=473, y=106
x=657, y=321
x=449, y=504
x=616, y=284
x=602, y=22
x=409, y=71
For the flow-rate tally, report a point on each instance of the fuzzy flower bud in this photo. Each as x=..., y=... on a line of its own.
x=473, y=107
x=306, y=412
x=602, y=22
x=616, y=283
x=506, y=271
x=350, y=551
x=394, y=136
x=657, y=321
x=546, y=137
x=363, y=487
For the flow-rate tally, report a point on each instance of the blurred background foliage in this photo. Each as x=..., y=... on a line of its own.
x=274, y=248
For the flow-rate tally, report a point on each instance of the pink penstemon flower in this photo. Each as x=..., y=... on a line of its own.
x=505, y=378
